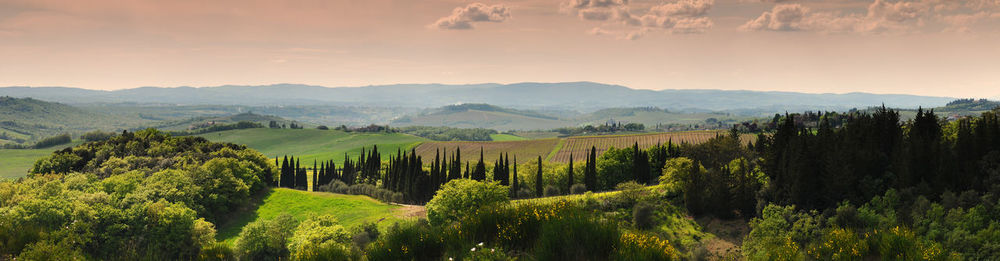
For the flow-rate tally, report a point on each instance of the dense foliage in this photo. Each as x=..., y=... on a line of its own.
x=142, y=195
x=54, y=140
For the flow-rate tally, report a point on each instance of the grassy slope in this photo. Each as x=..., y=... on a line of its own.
x=310, y=144
x=506, y=137
x=16, y=163
x=351, y=210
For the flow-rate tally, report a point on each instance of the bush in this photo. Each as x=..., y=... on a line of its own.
x=643, y=216
x=551, y=191
x=460, y=197
x=630, y=193
x=839, y=244
x=634, y=246
x=408, y=241
x=266, y=239
x=320, y=238
x=525, y=193
x=576, y=238
x=577, y=189
x=219, y=251
x=364, y=234
x=372, y=191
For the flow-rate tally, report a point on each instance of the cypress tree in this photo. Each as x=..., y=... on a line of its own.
x=283, y=179
x=315, y=172
x=590, y=171
x=514, y=186
x=538, y=178
x=569, y=175
x=480, y=171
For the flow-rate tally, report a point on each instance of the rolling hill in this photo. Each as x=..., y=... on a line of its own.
x=27, y=119
x=482, y=116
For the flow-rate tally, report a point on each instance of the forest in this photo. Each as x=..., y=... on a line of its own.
x=854, y=186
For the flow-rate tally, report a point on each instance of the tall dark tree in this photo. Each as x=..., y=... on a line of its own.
x=514, y=186
x=479, y=173
x=569, y=175
x=315, y=175
x=590, y=172
x=538, y=179
x=285, y=178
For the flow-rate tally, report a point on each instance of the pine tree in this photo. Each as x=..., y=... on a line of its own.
x=538, y=178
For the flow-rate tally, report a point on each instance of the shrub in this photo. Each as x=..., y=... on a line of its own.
x=576, y=238
x=460, y=197
x=266, y=239
x=408, y=241
x=577, y=189
x=218, y=251
x=839, y=244
x=319, y=238
x=551, y=191
x=643, y=216
x=525, y=193
x=364, y=234
x=634, y=246
x=631, y=192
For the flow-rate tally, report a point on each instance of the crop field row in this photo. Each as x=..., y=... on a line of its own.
x=579, y=147
x=524, y=150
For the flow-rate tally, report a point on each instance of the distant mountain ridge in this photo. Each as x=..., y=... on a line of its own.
x=582, y=96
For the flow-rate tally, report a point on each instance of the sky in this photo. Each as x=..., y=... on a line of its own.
x=925, y=47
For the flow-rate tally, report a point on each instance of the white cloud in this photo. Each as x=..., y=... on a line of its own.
x=680, y=16
x=464, y=17
x=879, y=16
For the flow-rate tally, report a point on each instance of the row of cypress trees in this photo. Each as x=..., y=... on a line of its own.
x=405, y=172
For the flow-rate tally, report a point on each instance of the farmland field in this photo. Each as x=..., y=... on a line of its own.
x=523, y=150
x=506, y=137
x=580, y=146
x=314, y=144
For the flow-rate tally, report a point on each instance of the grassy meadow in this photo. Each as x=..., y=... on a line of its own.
x=350, y=210
x=16, y=163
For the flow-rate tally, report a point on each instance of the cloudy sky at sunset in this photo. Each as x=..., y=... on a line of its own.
x=927, y=47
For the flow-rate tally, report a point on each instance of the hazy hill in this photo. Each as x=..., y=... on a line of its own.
x=27, y=119
x=482, y=116
x=582, y=96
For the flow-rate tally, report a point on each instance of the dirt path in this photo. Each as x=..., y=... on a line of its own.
x=410, y=211
x=729, y=237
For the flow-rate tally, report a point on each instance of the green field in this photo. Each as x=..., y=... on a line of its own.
x=314, y=144
x=506, y=137
x=350, y=210
x=16, y=163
